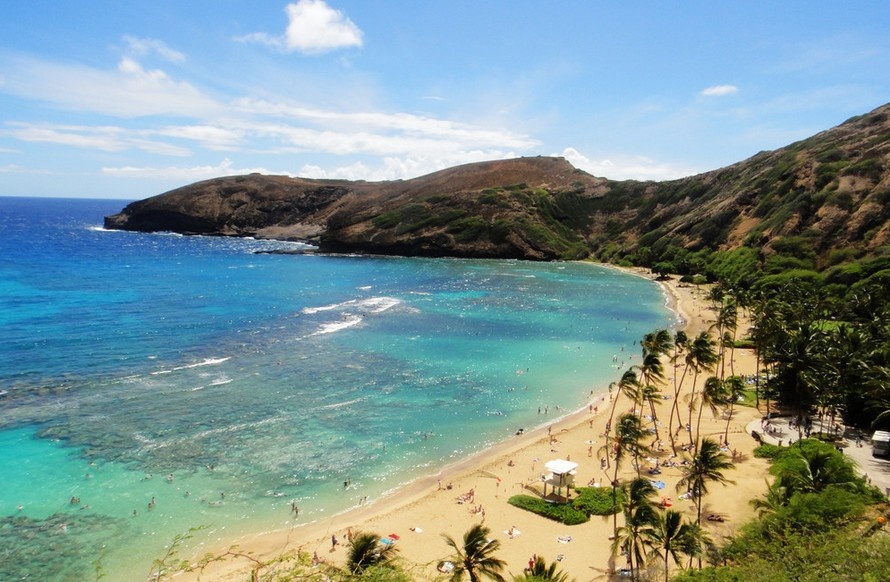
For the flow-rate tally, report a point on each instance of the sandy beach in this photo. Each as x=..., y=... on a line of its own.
x=423, y=510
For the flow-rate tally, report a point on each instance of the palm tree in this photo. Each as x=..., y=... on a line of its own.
x=757, y=335
x=776, y=497
x=476, y=555
x=726, y=324
x=712, y=395
x=715, y=295
x=734, y=386
x=707, y=466
x=702, y=357
x=629, y=433
x=820, y=468
x=637, y=535
x=670, y=536
x=695, y=542
x=365, y=550
x=655, y=345
x=541, y=572
x=658, y=342
x=768, y=333
x=798, y=367
x=630, y=386
x=650, y=394
x=681, y=343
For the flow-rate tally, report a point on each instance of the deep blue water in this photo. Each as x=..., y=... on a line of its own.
x=225, y=384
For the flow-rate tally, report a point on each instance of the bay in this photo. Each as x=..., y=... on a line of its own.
x=153, y=383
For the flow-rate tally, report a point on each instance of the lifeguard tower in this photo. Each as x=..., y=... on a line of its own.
x=562, y=475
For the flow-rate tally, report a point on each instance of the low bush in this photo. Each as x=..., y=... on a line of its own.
x=767, y=451
x=590, y=501
x=556, y=511
x=598, y=501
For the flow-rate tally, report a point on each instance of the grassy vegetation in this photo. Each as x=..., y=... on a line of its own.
x=561, y=512
x=819, y=522
x=590, y=501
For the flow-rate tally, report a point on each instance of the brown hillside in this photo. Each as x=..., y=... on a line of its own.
x=828, y=193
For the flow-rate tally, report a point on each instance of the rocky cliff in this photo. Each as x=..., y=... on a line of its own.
x=832, y=191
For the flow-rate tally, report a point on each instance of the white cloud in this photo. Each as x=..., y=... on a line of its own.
x=104, y=138
x=400, y=168
x=185, y=174
x=212, y=137
x=127, y=91
x=411, y=128
x=626, y=167
x=141, y=47
x=178, y=119
x=313, y=27
x=14, y=169
x=719, y=91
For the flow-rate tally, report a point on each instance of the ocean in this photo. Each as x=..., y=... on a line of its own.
x=155, y=383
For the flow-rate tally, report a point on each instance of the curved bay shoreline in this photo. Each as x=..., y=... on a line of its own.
x=425, y=507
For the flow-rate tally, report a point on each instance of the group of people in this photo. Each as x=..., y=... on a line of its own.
x=467, y=497
x=335, y=541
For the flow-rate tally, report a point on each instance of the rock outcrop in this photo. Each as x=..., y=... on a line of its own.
x=830, y=192
x=487, y=209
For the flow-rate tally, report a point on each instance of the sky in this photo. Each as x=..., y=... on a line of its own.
x=126, y=100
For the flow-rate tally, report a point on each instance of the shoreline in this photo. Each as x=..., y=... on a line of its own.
x=423, y=508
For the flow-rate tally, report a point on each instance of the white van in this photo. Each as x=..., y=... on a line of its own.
x=880, y=444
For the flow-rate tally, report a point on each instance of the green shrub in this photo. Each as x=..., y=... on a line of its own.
x=598, y=501
x=467, y=229
x=491, y=196
x=813, y=511
x=870, y=168
x=556, y=511
x=387, y=219
x=767, y=451
x=832, y=154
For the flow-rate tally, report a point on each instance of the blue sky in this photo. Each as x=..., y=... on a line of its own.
x=112, y=99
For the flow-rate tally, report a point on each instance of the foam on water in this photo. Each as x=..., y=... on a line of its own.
x=201, y=364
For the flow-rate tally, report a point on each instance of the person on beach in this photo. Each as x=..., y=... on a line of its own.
x=333, y=542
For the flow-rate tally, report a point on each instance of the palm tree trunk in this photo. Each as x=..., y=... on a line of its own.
x=676, y=407
x=757, y=379
x=611, y=417
x=692, y=406
x=698, y=498
x=729, y=418
x=732, y=354
x=615, y=502
x=701, y=409
x=654, y=419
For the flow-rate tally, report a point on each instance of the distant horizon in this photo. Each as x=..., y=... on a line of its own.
x=48, y=197
x=129, y=101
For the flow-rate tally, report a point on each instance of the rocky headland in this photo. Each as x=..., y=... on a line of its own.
x=832, y=190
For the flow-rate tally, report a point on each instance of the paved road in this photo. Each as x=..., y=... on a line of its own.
x=874, y=468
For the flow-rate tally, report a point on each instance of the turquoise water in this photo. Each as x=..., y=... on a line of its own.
x=226, y=385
